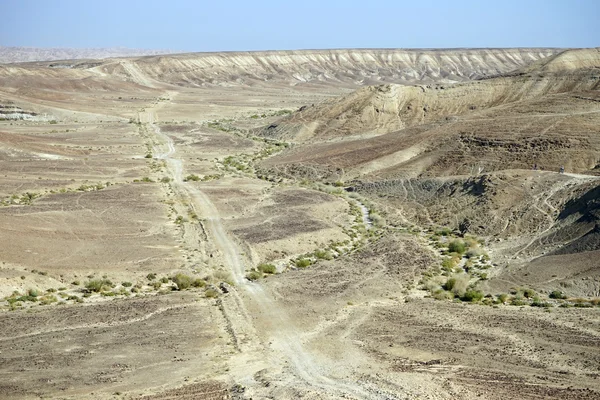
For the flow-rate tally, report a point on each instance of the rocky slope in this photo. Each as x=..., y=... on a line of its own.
x=462, y=155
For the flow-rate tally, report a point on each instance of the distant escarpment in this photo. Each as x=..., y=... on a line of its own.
x=347, y=67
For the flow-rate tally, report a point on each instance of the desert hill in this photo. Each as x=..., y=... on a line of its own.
x=385, y=108
x=567, y=61
x=461, y=156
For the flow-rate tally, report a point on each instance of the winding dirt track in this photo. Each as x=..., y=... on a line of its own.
x=285, y=348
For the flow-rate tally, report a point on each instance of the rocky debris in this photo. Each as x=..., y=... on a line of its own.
x=225, y=288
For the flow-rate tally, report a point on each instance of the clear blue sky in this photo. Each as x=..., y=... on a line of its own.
x=224, y=25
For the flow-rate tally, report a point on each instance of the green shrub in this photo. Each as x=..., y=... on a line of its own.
x=502, y=297
x=323, y=255
x=538, y=303
x=156, y=285
x=99, y=285
x=182, y=281
x=75, y=283
x=529, y=293
x=472, y=296
x=165, y=179
x=449, y=285
x=448, y=263
x=557, y=294
x=164, y=279
x=151, y=276
x=211, y=293
x=198, y=283
x=441, y=294
x=254, y=275
x=191, y=177
x=267, y=268
x=582, y=305
x=302, y=263
x=48, y=299
x=126, y=284
x=443, y=232
x=517, y=301
x=457, y=246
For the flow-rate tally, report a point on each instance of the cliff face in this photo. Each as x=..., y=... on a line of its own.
x=346, y=67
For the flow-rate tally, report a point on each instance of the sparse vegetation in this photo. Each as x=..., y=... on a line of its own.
x=557, y=294
x=198, y=283
x=267, y=268
x=191, y=177
x=254, y=275
x=472, y=295
x=99, y=285
x=302, y=263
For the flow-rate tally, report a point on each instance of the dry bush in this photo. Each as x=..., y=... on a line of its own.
x=442, y=294
x=457, y=284
x=223, y=276
x=434, y=283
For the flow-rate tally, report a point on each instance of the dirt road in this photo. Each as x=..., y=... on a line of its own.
x=277, y=339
